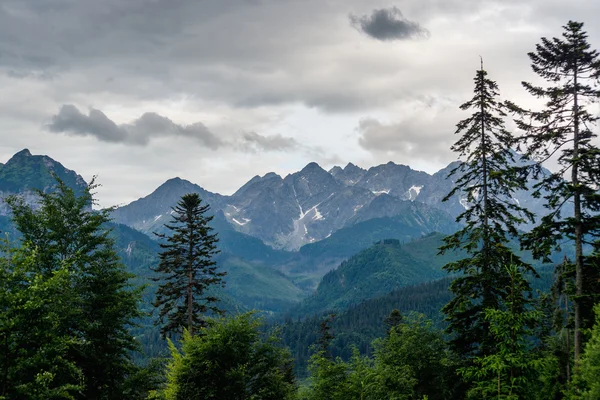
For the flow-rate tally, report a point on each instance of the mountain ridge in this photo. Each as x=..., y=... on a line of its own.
x=307, y=206
x=23, y=174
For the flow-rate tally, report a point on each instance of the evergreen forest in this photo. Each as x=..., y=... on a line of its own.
x=503, y=305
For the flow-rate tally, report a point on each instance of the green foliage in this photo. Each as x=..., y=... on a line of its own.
x=26, y=172
x=509, y=371
x=564, y=130
x=411, y=362
x=590, y=286
x=393, y=320
x=187, y=268
x=230, y=359
x=338, y=380
x=487, y=181
x=587, y=378
x=94, y=304
x=35, y=360
x=359, y=325
x=414, y=351
x=377, y=271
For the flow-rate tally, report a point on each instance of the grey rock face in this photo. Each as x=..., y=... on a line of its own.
x=349, y=175
x=309, y=205
x=150, y=213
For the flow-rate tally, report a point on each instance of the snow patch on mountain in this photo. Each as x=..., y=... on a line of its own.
x=416, y=188
x=464, y=202
x=298, y=203
x=378, y=192
x=246, y=220
x=318, y=215
x=414, y=191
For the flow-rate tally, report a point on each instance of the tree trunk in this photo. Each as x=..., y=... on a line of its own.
x=190, y=267
x=567, y=330
x=578, y=224
x=486, y=268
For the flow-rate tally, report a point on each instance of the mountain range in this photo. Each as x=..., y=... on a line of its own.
x=310, y=205
x=279, y=236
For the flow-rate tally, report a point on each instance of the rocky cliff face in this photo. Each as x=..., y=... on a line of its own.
x=309, y=205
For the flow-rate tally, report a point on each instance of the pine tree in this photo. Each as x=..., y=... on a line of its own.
x=591, y=285
x=187, y=268
x=325, y=335
x=393, y=320
x=487, y=181
x=563, y=131
x=510, y=371
x=587, y=380
x=65, y=233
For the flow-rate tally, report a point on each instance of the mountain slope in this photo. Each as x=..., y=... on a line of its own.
x=149, y=213
x=253, y=283
x=304, y=207
x=380, y=269
x=24, y=173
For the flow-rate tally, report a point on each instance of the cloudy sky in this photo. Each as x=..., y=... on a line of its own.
x=217, y=91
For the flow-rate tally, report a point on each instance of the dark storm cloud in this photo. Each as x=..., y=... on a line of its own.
x=70, y=120
x=388, y=24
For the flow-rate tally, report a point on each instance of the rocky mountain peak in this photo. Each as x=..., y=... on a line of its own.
x=352, y=168
x=349, y=175
x=22, y=153
x=245, y=187
x=311, y=168
x=336, y=170
x=25, y=173
x=271, y=175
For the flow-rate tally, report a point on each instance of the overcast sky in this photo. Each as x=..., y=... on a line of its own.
x=217, y=91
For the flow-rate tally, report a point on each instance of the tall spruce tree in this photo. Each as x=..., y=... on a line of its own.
x=187, y=268
x=563, y=131
x=65, y=237
x=511, y=371
x=486, y=180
